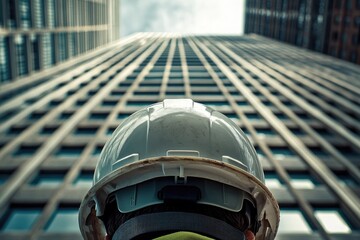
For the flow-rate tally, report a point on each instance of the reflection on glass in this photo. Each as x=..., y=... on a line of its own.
x=332, y=221
x=292, y=221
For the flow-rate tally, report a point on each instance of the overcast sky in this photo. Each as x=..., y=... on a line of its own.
x=182, y=16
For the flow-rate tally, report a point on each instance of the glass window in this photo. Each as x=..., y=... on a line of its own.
x=117, y=92
x=64, y=220
x=349, y=4
x=81, y=102
x=98, y=115
x=206, y=93
x=12, y=23
x=265, y=132
x=216, y=103
x=346, y=180
x=20, y=219
x=243, y=103
x=109, y=102
x=51, y=13
x=75, y=46
x=37, y=115
x=39, y=17
x=65, y=115
x=259, y=152
x=47, y=43
x=34, y=39
x=332, y=221
x=353, y=56
x=272, y=180
x=86, y=130
x=147, y=93
x=323, y=131
x=62, y=46
x=253, y=116
x=123, y=115
x=232, y=115
x=97, y=150
x=69, y=151
x=302, y=180
x=48, y=179
x=4, y=177
x=292, y=221
x=4, y=59
x=26, y=150
x=1, y=16
x=16, y=129
x=21, y=54
x=297, y=131
x=138, y=103
x=281, y=153
x=348, y=151
x=48, y=129
x=175, y=94
x=84, y=179
x=110, y=131
x=268, y=103
x=282, y=116
x=357, y=21
x=25, y=13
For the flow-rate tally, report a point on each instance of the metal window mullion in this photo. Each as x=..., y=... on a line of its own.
x=185, y=69
x=14, y=103
x=348, y=93
x=342, y=131
x=312, y=97
x=76, y=167
x=36, y=126
x=165, y=78
x=10, y=145
x=13, y=86
x=348, y=198
x=289, y=49
x=331, y=78
x=298, y=78
x=280, y=169
x=60, y=92
x=316, y=71
x=353, y=170
x=25, y=170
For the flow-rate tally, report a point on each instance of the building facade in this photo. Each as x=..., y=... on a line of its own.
x=327, y=26
x=37, y=34
x=301, y=111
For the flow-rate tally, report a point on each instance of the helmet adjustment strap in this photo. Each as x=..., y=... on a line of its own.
x=167, y=222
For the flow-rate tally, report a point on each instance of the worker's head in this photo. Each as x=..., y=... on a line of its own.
x=178, y=166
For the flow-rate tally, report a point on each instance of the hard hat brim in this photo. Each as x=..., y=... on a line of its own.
x=92, y=205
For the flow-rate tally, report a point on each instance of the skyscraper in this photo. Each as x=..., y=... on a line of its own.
x=300, y=110
x=37, y=34
x=327, y=26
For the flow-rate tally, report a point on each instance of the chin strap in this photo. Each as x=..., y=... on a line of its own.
x=165, y=222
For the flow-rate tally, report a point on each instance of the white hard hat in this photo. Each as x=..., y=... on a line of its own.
x=178, y=142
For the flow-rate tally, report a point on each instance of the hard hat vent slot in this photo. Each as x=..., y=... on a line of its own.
x=187, y=153
x=179, y=193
